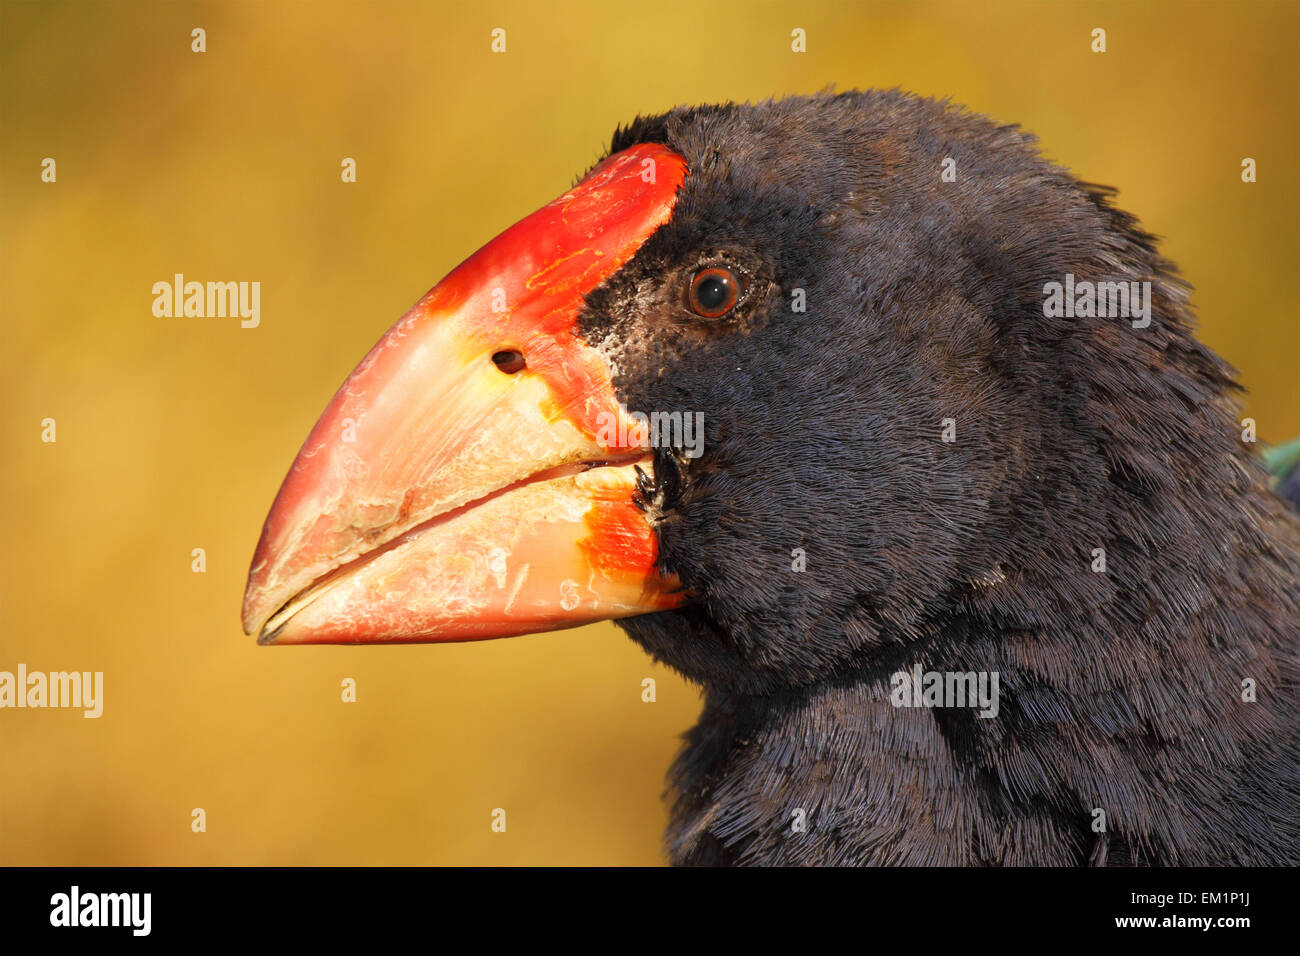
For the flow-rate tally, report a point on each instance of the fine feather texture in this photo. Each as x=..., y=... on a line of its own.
x=1121, y=690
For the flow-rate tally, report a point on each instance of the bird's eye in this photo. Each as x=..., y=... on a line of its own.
x=509, y=361
x=714, y=291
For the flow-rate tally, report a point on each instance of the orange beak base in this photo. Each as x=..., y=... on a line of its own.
x=444, y=497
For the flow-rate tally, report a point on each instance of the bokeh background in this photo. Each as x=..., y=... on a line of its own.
x=175, y=433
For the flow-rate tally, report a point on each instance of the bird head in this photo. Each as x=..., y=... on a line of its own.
x=888, y=424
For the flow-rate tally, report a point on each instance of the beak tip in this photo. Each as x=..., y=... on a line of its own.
x=267, y=635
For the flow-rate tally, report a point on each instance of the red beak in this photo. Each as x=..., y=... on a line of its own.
x=446, y=496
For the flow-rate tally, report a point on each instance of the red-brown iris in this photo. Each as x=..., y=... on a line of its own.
x=714, y=291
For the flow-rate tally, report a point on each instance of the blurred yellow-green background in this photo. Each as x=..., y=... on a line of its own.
x=174, y=434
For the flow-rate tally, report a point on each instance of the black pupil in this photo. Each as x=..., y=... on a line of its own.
x=711, y=292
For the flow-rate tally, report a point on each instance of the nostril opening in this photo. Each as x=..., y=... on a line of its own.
x=509, y=361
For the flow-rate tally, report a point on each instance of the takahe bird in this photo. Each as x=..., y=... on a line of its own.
x=909, y=463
